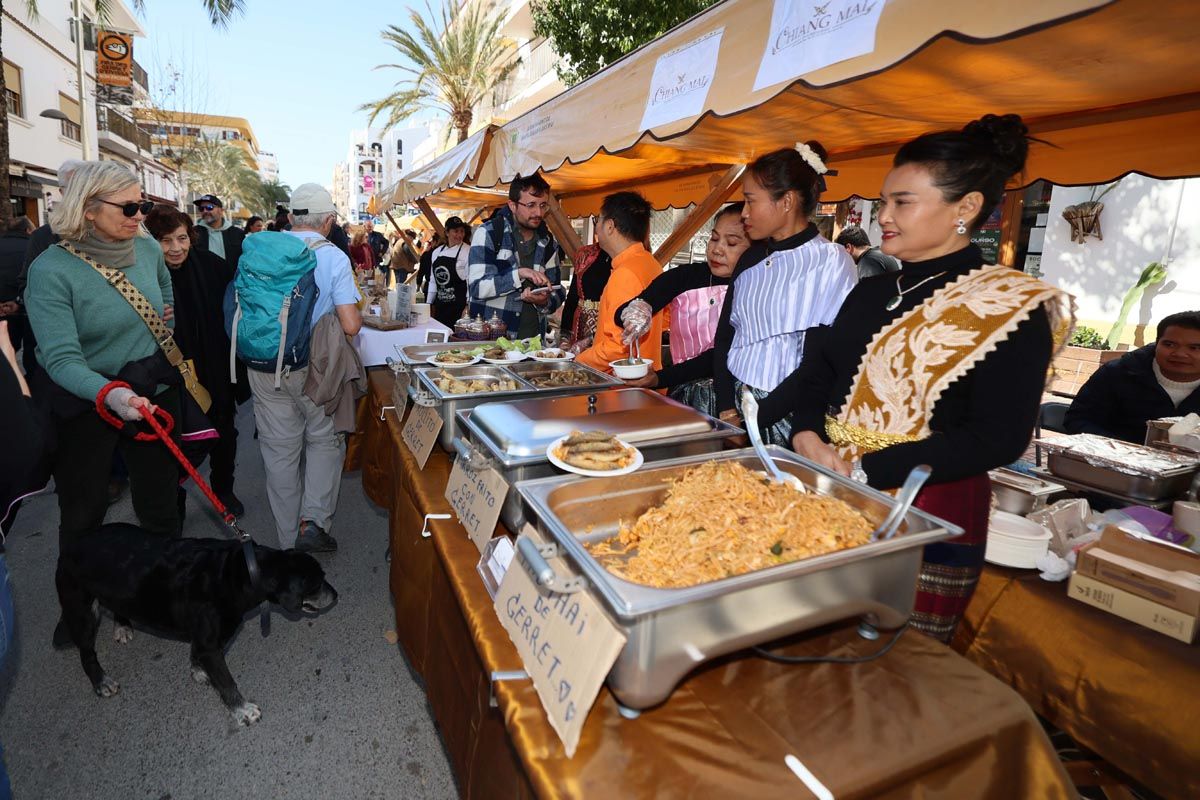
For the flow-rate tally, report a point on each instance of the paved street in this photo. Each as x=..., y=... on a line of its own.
x=342, y=715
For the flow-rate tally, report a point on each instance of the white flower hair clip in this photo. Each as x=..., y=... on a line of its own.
x=811, y=158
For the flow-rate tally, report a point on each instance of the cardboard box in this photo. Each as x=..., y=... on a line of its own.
x=1148, y=614
x=1157, y=571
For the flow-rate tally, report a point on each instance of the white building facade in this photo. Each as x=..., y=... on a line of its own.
x=42, y=88
x=376, y=159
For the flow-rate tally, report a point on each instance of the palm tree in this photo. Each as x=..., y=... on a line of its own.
x=454, y=64
x=223, y=169
x=220, y=12
x=270, y=194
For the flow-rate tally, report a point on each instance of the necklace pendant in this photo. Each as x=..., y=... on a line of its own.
x=893, y=304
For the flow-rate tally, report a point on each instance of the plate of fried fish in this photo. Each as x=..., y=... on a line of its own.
x=596, y=454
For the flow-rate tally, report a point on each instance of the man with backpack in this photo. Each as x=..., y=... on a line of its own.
x=287, y=281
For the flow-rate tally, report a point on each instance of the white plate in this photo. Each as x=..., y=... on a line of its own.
x=431, y=360
x=564, y=357
x=638, y=460
x=509, y=360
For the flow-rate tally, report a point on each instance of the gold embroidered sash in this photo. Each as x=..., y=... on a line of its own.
x=911, y=362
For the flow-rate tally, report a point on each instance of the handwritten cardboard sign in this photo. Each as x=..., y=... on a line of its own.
x=806, y=37
x=567, y=642
x=400, y=393
x=681, y=81
x=421, y=431
x=476, y=497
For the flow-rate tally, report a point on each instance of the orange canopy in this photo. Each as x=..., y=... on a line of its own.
x=1112, y=87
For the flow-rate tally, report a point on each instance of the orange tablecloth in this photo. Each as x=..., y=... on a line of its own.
x=920, y=720
x=1121, y=690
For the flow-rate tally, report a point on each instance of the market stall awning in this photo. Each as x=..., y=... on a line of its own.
x=457, y=166
x=1113, y=87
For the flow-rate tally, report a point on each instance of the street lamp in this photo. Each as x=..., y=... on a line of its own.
x=54, y=113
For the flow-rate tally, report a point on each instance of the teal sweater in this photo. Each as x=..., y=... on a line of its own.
x=85, y=329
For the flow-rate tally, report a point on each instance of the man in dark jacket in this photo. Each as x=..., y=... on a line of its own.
x=871, y=261
x=13, y=244
x=1155, y=381
x=216, y=233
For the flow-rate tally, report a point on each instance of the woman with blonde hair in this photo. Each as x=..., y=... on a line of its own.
x=361, y=253
x=88, y=334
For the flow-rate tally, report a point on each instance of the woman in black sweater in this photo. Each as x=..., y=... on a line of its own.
x=942, y=363
x=696, y=294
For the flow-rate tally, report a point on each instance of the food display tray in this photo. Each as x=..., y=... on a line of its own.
x=1139, y=487
x=672, y=631
x=1022, y=494
x=417, y=355
x=512, y=437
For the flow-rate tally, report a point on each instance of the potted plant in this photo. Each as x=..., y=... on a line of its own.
x=1086, y=351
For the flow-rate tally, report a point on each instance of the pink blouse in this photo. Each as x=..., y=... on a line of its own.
x=694, y=316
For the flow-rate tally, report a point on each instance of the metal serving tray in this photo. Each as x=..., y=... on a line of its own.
x=1173, y=483
x=512, y=437
x=424, y=391
x=528, y=370
x=672, y=631
x=417, y=355
x=1022, y=494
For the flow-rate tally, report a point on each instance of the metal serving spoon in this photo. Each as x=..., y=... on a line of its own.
x=750, y=413
x=904, y=500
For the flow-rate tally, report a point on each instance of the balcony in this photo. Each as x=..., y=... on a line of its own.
x=537, y=63
x=120, y=132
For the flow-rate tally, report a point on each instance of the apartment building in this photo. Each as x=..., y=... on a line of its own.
x=376, y=159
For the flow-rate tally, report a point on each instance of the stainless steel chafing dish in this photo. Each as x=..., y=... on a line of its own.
x=672, y=631
x=512, y=437
x=417, y=355
x=1121, y=468
x=424, y=391
x=530, y=371
x=1022, y=494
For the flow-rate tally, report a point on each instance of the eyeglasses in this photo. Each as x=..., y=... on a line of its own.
x=143, y=207
x=206, y=207
x=532, y=206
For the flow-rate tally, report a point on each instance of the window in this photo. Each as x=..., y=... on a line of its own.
x=70, y=127
x=12, y=89
x=399, y=163
x=399, y=147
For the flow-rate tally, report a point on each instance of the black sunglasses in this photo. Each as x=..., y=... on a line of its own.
x=132, y=209
x=206, y=207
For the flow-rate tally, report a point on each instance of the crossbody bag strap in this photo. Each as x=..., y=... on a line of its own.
x=138, y=301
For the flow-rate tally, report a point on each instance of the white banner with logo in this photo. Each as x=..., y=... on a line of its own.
x=681, y=81
x=806, y=36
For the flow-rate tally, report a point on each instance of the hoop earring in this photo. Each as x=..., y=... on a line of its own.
x=962, y=227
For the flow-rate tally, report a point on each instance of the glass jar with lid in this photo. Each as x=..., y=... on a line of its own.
x=496, y=326
x=461, y=327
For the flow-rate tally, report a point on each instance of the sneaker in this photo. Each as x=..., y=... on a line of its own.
x=312, y=539
x=231, y=503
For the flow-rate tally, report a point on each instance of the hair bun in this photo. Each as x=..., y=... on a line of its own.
x=819, y=149
x=1006, y=136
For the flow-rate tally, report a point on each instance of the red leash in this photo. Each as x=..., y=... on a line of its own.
x=162, y=432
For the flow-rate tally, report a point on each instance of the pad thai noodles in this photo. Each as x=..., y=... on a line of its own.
x=721, y=519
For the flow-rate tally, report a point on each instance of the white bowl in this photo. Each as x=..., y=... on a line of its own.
x=631, y=371
x=1014, y=541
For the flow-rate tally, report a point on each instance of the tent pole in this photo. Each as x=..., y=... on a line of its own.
x=565, y=234
x=1010, y=227
x=427, y=212
x=411, y=265
x=694, y=221
x=476, y=215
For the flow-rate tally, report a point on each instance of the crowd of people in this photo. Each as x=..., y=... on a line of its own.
x=867, y=360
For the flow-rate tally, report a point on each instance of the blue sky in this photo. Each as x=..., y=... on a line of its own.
x=296, y=69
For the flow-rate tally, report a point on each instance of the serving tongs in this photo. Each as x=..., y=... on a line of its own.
x=750, y=413
x=904, y=498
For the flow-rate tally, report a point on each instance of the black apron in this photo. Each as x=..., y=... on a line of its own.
x=449, y=291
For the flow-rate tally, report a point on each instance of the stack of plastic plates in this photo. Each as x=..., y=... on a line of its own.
x=1015, y=541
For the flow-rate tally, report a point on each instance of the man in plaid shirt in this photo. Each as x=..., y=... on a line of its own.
x=513, y=268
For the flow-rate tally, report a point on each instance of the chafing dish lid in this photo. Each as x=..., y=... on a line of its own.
x=527, y=427
x=1119, y=456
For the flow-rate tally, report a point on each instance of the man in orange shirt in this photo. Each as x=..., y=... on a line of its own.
x=624, y=225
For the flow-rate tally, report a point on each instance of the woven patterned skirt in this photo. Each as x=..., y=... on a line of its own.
x=780, y=433
x=700, y=395
x=951, y=568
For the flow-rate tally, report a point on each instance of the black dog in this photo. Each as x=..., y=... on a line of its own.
x=198, y=589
